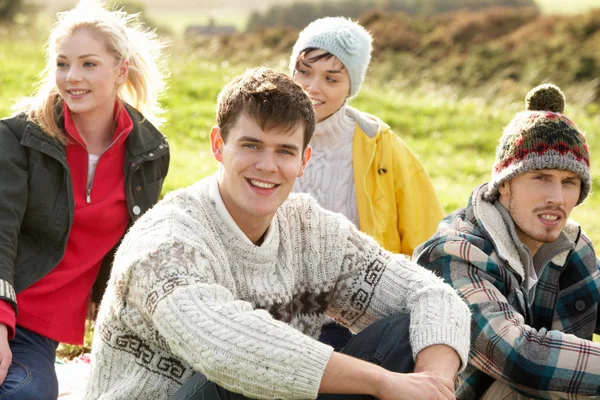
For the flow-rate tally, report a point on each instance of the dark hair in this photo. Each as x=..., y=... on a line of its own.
x=325, y=55
x=271, y=98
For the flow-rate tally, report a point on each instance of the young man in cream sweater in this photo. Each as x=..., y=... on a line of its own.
x=219, y=291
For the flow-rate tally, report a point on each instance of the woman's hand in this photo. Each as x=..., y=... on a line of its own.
x=5, y=353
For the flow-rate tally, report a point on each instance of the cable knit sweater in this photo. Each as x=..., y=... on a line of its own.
x=330, y=177
x=189, y=294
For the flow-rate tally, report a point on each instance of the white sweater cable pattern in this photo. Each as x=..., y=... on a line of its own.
x=188, y=294
x=330, y=175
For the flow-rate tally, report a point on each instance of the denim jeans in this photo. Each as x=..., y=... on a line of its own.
x=385, y=343
x=31, y=374
x=335, y=335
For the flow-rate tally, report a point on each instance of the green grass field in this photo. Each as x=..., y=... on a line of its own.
x=454, y=138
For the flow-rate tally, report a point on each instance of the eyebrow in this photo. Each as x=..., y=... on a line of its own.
x=81, y=56
x=541, y=173
x=254, y=140
x=331, y=71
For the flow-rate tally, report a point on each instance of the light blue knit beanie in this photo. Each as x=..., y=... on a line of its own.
x=347, y=40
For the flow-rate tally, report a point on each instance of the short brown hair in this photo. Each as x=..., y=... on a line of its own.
x=271, y=98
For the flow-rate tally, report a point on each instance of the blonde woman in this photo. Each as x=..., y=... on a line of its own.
x=79, y=162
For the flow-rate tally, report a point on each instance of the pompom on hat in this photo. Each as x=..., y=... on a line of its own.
x=345, y=39
x=541, y=138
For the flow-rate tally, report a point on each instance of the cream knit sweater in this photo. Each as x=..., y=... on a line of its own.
x=330, y=177
x=189, y=294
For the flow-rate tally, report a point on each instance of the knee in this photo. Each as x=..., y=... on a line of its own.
x=397, y=325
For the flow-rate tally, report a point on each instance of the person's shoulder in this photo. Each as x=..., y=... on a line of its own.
x=300, y=202
x=575, y=233
x=145, y=128
x=304, y=208
x=458, y=235
x=179, y=219
x=180, y=207
x=459, y=225
x=15, y=125
x=369, y=124
x=296, y=204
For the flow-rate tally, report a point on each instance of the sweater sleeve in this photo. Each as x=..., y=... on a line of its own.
x=536, y=362
x=240, y=348
x=374, y=283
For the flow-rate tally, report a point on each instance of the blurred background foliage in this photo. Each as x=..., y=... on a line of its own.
x=487, y=52
x=301, y=13
x=446, y=75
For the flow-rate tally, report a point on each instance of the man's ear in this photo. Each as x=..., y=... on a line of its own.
x=216, y=143
x=504, y=188
x=305, y=158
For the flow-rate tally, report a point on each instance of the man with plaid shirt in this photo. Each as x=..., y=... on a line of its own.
x=529, y=275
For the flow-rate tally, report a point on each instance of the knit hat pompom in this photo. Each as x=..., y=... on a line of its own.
x=348, y=41
x=541, y=138
x=547, y=97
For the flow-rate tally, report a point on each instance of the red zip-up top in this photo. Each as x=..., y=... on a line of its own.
x=56, y=305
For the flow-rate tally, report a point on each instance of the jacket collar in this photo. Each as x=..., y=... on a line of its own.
x=369, y=124
x=502, y=233
x=123, y=124
x=34, y=137
x=142, y=138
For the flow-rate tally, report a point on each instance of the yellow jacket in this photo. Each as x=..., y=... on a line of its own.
x=397, y=204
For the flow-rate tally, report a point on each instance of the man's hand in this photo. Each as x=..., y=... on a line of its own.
x=441, y=361
x=421, y=385
x=5, y=353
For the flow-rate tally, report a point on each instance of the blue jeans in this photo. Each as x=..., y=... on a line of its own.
x=31, y=374
x=385, y=343
x=335, y=335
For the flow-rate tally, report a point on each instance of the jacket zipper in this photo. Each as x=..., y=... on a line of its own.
x=88, y=190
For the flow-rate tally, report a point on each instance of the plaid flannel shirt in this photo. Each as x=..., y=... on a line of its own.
x=538, y=349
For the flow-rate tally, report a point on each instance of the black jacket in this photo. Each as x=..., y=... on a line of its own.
x=36, y=197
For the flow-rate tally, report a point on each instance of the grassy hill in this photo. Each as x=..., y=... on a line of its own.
x=177, y=14
x=454, y=136
x=160, y=6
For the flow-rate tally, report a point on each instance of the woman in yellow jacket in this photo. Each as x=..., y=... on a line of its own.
x=359, y=167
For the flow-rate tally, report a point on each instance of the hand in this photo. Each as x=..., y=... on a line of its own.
x=5, y=353
x=419, y=385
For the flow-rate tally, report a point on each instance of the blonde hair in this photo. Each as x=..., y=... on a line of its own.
x=127, y=39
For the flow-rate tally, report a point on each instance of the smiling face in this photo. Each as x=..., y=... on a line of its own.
x=87, y=74
x=540, y=203
x=326, y=81
x=259, y=168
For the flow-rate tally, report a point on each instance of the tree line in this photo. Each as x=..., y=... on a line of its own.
x=301, y=13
